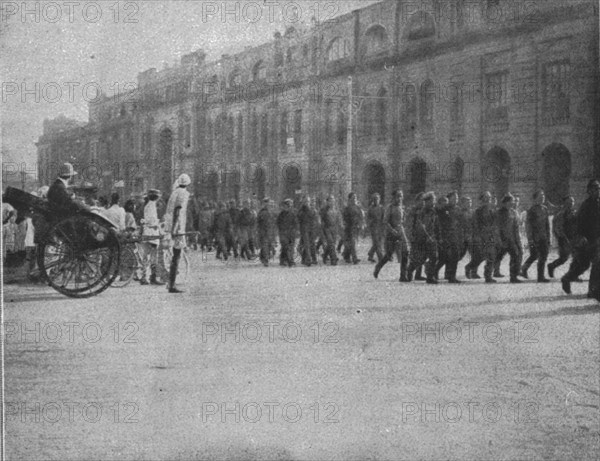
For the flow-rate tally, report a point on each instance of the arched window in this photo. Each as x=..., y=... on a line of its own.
x=409, y=112
x=427, y=100
x=283, y=134
x=264, y=133
x=235, y=79
x=239, y=135
x=381, y=117
x=342, y=127
x=327, y=122
x=421, y=25
x=259, y=72
x=338, y=49
x=376, y=40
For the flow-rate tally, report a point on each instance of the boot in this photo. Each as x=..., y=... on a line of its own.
x=173, y=274
x=541, y=276
x=468, y=272
x=153, y=279
x=419, y=274
x=403, y=269
x=524, y=273
x=551, y=270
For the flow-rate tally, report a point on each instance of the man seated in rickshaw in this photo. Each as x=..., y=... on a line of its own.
x=59, y=197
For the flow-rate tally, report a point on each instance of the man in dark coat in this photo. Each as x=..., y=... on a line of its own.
x=485, y=238
x=452, y=229
x=308, y=220
x=353, y=221
x=330, y=221
x=538, y=236
x=376, y=226
x=411, y=222
x=588, y=247
x=426, y=236
x=247, y=224
x=233, y=241
x=564, y=228
x=395, y=237
x=510, y=239
x=266, y=224
x=287, y=224
x=222, y=230
x=58, y=196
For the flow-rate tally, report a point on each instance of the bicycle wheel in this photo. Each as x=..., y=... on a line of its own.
x=127, y=268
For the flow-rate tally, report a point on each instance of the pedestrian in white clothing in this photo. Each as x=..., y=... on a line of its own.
x=175, y=221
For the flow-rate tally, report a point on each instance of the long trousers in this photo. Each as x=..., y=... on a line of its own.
x=287, y=243
x=329, y=244
x=449, y=255
x=483, y=252
x=565, y=249
x=584, y=257
x=376, y=244
x=516, y=256
x=400, y=249
x=537, y=251
x=350, y=246
x=424, y=253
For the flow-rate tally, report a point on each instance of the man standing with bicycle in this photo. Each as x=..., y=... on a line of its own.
x=175, y=220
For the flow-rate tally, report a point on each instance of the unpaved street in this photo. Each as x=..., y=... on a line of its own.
x=304, y=363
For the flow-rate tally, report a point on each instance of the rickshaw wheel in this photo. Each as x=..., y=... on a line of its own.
x=79, y=256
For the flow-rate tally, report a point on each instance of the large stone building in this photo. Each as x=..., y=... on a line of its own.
x=499, y=95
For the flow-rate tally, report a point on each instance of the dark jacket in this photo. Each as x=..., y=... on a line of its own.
x=452, y=224
x=564, y=224
x=287, y=223
x=60, y=199
x=353, y=219
x=508, y=226
x=394, y=223
x=538, y=224
x=427, y=226
x=588, y=219
x=222, y=224
x=485, y=227
x=266, y=224
x=308, y=219
x=375, y=217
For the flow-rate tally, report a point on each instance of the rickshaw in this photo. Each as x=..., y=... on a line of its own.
x=79, y=252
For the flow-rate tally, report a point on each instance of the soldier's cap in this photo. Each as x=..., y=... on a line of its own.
x=154, y=192
x=465, y=198
x=420, y=196
x=266, y=200
x=451, y=193
x=288, y=201
x=429, y=196
x=593, y=184
x=567, y=197
x=508, y=198
x=537, y=193
x=375, y=195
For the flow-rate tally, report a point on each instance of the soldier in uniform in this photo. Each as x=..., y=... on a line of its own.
x=308, y=221
x=510, y=239
x=222, y=230
x=426, y=235
x=287, y=223
x=266, y=224
x=411, y=220
x=246, y=228
x=538, y=236
x=233, y=241
x=376, y=226
x=330, y=221
x=451, y=225
x=467, y=218
x=395, y=237
x=485, y=238
x=564, y=228
x=353, y=221
x=588, y=248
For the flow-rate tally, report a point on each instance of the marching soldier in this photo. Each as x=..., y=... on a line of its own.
x=287, y=223
x=538, y=236
x=451, y=225
x=485, y=238
x=510, y=240
x=467, y=218
x=396, y=240
x=376, y=226
x=588, y=249
x=233, y=240
x=353, y=221
x=564, y=227
x=426, y=235
x=413, y=213
x=308, y=220
x=330, y=221
x=222, y=230
x=266, y=224
x=247, y=222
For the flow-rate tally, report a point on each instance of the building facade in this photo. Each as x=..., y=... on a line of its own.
x=492, y=95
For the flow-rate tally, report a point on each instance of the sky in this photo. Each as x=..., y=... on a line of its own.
x=54, y=54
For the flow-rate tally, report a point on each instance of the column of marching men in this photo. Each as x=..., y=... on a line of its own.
x=424, y=237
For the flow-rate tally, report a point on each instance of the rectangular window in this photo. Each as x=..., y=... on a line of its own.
x=496, y=96
x=298, y=130
x=556, y=101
